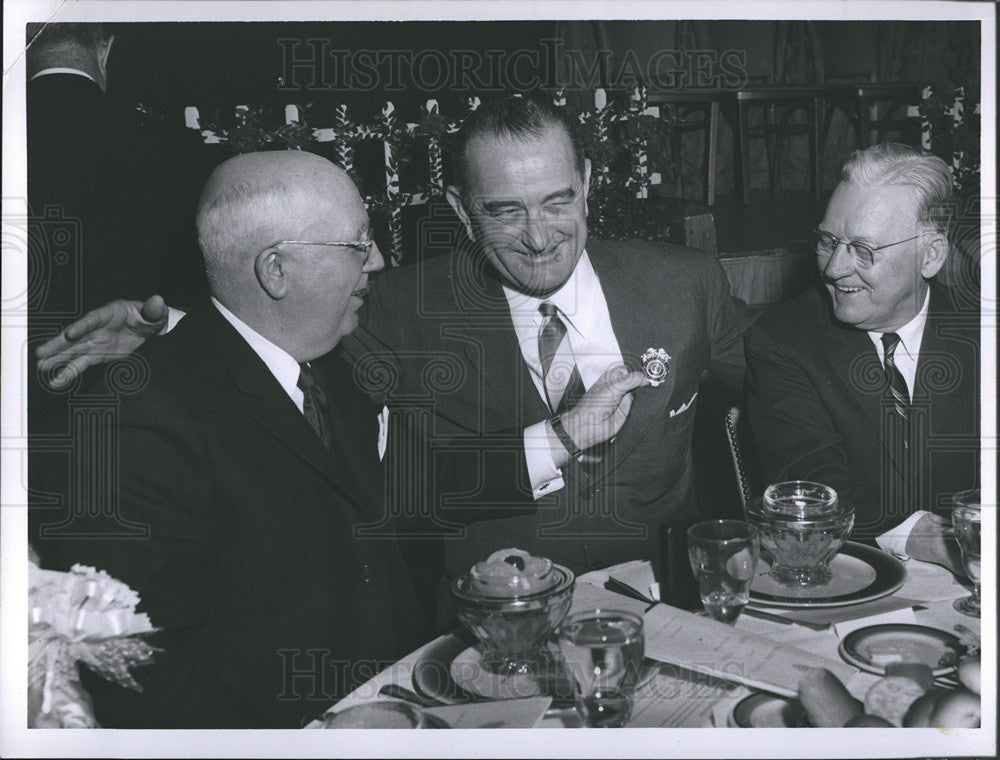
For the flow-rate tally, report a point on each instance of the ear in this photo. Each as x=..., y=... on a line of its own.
x=586, y=184
x=454, y=197
x=934, y=248
x=268, y=266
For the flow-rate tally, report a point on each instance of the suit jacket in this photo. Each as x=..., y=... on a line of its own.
x=817, y=407
x=236, y=527
x=438, y=341
x=106, y=218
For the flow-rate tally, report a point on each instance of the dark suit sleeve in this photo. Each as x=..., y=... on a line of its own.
x=441, y=473
x=728, y=320
x=792, y=428
x=165, y=491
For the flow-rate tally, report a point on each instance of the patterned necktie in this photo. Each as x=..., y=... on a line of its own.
x=315, y=406
x=895, y=383
x=560, y=375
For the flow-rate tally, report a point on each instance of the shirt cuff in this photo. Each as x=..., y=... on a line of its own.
x=544, y=476
x=894, y=541
x=173, y=317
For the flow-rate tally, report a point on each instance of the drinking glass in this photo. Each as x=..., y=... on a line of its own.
x=603, y=652
x=723, y=556
x=966, y=520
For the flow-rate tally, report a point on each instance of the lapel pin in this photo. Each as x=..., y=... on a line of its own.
x=656, y=365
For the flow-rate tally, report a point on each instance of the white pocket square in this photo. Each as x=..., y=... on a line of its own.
x=383, y=431
x=684, y=407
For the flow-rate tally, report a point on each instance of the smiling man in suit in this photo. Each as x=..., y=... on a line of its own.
x=869, y=383
x=512, y=366
x=249, y=457
x=522, y=349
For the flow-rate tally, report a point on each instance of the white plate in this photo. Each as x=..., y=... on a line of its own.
x=860, y=573
x=873, y=647
x=468, y=674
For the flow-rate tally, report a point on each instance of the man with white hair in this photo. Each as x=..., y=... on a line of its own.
x=868, y=383
x=247, y=459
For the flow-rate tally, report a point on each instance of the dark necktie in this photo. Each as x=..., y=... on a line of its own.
x=895, y=383
x=560, y=375
x=315, y=406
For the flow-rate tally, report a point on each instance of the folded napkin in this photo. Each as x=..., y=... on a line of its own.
x=926, y=537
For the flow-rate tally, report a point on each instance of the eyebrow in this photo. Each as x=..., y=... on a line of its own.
x=565, y=194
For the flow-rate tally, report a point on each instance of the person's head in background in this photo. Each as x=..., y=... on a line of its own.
x=287, y=247
x=520, y=189
x=884, y=235
x=83, y=47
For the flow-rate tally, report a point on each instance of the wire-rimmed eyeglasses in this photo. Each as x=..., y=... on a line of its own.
x=863, y=255
x=362, y=246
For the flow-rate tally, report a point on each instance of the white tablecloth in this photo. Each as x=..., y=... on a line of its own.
x=702, y=701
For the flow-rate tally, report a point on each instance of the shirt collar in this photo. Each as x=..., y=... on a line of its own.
x=63, y=70
x=910, y=334
x=573, y=299
x=281, y=364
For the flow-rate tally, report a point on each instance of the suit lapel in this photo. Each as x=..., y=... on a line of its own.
x=266, y=400
x=947, y=368
x=491, y=346
x=631, y=318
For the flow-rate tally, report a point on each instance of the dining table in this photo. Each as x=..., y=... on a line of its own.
x=691, y=687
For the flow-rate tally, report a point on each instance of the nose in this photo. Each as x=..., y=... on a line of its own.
x=375, y=261
x=840, y=263
x=536, y=233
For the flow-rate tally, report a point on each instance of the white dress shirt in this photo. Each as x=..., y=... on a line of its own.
x=281, y=364
x=584, y=310
x=908, y=350
x=63, y=70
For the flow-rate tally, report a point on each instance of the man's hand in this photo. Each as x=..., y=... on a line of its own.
x=600, y=414
x=110, y=332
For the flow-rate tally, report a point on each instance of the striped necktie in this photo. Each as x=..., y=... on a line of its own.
x=315, y=406
x=560, y=375
x=895, y=383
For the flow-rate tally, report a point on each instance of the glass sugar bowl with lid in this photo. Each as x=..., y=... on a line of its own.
x=802, y=526
x=513, y=602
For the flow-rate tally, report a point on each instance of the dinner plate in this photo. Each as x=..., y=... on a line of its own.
x=768, y=711
x=860, y=573
x=449, y=672
x=875, y=646
x=468, y=673
x=432, y=670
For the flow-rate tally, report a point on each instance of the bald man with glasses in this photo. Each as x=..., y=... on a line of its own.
x=869, y=382
x=247, y=457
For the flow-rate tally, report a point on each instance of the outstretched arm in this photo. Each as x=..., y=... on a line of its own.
x=110, y=332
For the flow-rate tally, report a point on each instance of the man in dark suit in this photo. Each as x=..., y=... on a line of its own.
x=104, y=198
x=590, y=459
x=247, y=458
x=512, y=367
x=869, y=383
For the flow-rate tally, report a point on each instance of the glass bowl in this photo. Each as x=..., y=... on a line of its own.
x=802, y=526
x=513, y=629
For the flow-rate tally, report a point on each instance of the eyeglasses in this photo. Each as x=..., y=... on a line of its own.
x=863, y=255
x=362, y=246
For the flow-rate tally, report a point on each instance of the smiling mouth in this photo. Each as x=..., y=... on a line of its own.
x=845, y=289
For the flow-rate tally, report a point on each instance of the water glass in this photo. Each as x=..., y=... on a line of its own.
x=967, y=522
x=723, y=556
x=603, y=652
